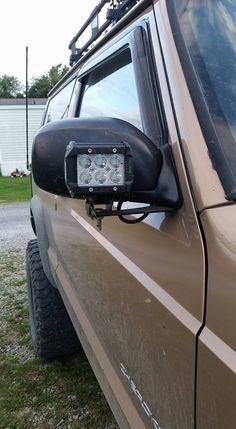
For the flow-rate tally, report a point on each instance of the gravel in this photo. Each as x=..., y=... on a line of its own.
x=15, y=232
x=15, y=227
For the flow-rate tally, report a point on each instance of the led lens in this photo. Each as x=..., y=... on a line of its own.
x=100, y=161
x=85, y=178
x=85, y=161
x=101, y=177
x=115, y=161
x=115, y=177
x=100, y=169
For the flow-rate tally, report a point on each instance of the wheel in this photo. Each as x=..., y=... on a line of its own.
x=51, y=329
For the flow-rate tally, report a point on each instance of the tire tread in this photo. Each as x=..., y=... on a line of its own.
x=52, y=331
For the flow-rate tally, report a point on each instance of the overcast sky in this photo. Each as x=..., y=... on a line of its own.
x=45, y=26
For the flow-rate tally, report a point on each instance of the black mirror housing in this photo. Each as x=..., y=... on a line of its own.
x=146, y=172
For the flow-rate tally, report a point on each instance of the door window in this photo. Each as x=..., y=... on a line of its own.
x=110, y=90
x=59, y=104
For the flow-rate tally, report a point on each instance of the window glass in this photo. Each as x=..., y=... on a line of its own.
x=110, y=90
x=209, y=30
x=59, y=104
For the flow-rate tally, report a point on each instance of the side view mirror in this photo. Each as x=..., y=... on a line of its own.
x=104, y=160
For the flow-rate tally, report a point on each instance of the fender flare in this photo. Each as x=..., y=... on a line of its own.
x=38, y=225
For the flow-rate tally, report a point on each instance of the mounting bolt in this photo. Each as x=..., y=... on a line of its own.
x=115, y=188
x=89, y=150
x=90, y=189
x=70, y=144
x=114, y=150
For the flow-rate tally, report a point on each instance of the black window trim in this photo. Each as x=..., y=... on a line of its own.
x=149, y=99
x=219, y=160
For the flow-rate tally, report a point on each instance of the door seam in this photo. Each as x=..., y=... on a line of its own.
x=205, y=256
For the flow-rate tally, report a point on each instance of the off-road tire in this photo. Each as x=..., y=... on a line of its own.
x=52, y=332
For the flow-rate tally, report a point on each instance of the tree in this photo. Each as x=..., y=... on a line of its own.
x=10, y=87
x=40, y=86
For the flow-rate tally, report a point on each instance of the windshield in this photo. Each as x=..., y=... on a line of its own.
x=209, y=31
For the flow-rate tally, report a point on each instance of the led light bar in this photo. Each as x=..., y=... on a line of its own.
x=94, y=169
x=101, y=169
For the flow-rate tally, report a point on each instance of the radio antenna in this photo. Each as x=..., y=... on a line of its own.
x=27, y=108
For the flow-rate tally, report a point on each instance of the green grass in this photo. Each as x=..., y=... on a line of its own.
x=14, y=189
x=36, y=394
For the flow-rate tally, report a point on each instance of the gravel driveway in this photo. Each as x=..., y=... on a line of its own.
x=15, y=227
x=15, y=232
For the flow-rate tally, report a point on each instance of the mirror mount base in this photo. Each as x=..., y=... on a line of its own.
x=98, y=213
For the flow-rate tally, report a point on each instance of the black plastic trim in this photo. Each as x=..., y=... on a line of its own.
x=39, y=228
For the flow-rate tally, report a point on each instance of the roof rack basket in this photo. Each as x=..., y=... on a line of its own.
x=116, y=10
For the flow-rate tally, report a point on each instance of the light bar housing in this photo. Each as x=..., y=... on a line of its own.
x=98, y=169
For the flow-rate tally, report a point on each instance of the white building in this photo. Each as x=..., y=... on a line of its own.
x=13, y=131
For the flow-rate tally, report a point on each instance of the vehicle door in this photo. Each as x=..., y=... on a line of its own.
x=136, y=292
x=204, y=40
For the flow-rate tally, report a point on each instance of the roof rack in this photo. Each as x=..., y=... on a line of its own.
x=116, y=10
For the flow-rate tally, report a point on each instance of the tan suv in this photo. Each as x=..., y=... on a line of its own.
x=134, y=210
